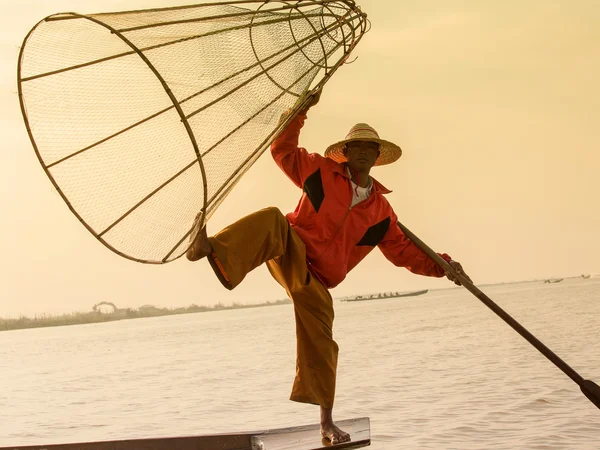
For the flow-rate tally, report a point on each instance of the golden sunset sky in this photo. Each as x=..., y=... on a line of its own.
x=495, y=104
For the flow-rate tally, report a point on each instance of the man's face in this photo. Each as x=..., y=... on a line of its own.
x=361, y=155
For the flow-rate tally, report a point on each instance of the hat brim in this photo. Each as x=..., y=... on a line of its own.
x=388, y=152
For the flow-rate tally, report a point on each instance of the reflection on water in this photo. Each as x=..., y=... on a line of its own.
x=438, y=371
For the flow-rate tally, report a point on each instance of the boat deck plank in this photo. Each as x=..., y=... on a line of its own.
x=296, y=438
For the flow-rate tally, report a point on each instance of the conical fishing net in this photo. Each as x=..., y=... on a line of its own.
x=142, y=119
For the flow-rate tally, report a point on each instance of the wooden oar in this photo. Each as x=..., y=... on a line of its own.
x=590, y=389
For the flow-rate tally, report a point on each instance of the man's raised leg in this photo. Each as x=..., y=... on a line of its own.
x=242, y=246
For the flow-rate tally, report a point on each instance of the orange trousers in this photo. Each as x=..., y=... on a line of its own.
x=267, y=237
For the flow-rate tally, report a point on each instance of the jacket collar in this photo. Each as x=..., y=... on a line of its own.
x=378, y=188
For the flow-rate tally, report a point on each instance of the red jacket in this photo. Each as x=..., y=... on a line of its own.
x=337, y=237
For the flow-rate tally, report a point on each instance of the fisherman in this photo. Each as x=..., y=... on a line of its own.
x=342, y=215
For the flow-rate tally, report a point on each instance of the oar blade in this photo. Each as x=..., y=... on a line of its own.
x=592, y=391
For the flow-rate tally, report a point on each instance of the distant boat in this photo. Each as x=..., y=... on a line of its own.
x=361, y=298
x=553, y=280
x=585, y=277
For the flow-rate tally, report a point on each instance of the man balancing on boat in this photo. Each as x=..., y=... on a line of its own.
x=342, y=215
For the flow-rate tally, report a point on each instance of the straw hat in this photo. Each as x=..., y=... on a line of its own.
x=388, y=152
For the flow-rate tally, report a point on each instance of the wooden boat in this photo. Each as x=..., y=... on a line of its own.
x=553, y=280
x=361, y=298
x=297, y=438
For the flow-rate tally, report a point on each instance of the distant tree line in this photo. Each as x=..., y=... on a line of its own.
x=97, y=316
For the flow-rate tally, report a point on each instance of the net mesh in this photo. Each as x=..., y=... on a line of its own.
x=143, y=118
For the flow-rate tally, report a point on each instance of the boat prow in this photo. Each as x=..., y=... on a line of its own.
x=305, y=437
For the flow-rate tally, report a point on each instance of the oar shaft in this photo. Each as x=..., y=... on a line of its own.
x=568, y=370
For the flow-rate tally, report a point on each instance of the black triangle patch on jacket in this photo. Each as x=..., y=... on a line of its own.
x=375, y=233
x=313, y=187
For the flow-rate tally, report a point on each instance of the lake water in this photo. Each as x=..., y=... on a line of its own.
x=439, y=371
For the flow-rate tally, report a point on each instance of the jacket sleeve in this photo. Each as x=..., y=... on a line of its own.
x=295, y=162
x=402, y=252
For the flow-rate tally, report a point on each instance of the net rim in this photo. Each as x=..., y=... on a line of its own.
x=167, y=91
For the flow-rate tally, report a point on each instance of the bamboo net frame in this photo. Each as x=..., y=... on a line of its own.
x=143, y=118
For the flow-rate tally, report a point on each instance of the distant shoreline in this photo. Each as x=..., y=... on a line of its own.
x=82, y=318
x=97, y=316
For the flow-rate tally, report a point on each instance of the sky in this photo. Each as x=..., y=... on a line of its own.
x=495, y=105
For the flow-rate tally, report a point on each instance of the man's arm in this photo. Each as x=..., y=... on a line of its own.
x=402, y=252
x=295, y=162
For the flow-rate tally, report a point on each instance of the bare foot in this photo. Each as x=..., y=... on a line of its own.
x=200, y=244
x=331, y=432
